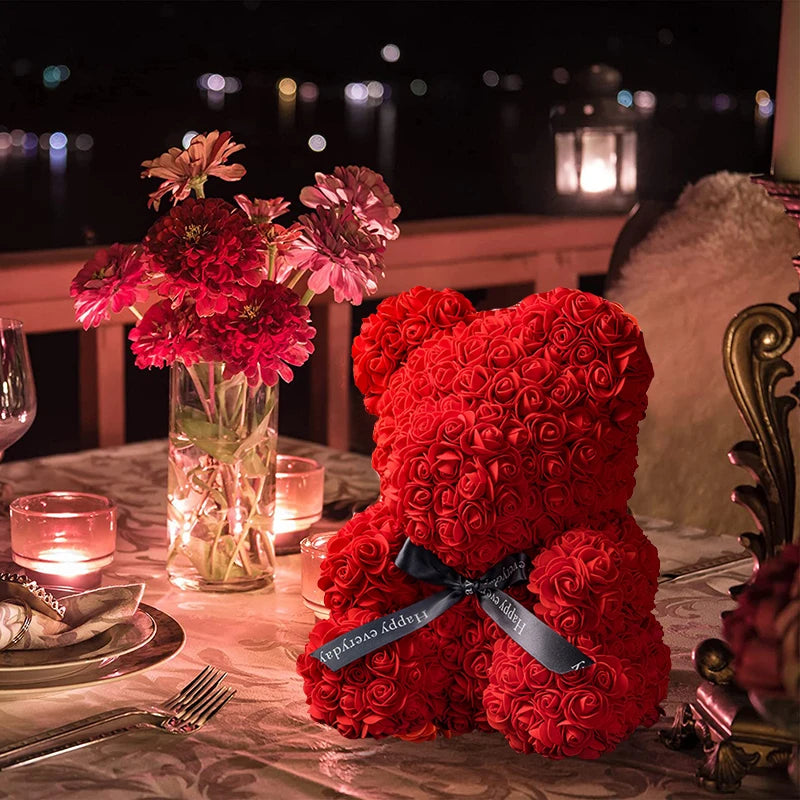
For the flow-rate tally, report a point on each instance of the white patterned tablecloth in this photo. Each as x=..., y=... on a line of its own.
x=263, y=745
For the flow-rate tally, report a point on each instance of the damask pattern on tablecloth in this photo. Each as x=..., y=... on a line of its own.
x=263, y=745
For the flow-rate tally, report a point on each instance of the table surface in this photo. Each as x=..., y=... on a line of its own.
x=263, y=744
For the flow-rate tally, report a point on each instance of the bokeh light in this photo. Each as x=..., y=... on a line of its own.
x=762, y=97
x=419, y=87
x=215, y=83
x=561, y=75
x=390, y=53
x=317, y=142
x=375, y=90
x=309, y=92
x=17, y=137
x=187, y=138
x=766, y=110
x=721, y=102
x=625, y=98
x=30, y=141
x=5, y=141
x=356, y=92
x=232, y=85
x=287, y=87
x=644, y=100
x=588, y=109
x=84, y=142
x=491, y=78
x=44, y=141
x=57, y=140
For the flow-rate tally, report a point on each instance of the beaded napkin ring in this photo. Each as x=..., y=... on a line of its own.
x=17, y=586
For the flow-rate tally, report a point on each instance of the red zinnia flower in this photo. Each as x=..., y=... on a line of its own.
x=112, y=279
x=260, y=334
x=208, y=250
x=188, y=169
x=164, y=335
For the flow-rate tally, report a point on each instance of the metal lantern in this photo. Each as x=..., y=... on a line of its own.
x=595, y=144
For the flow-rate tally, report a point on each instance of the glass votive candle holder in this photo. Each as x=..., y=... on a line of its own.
x=313, y=551
x=299, y=489
x=63, y=539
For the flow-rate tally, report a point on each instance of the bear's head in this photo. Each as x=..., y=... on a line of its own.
x=499, y=429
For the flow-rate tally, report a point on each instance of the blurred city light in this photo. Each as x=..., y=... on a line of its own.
x=309, y=92
x=84, y=142
x=390, y=53
x=625, y=98
x=766, y=110
x=287, y=88
x=722, y=102
x=215, y=83
x=419, y=87
x=375, y=90
x=356, y=92
x=30, y=141
x=762, y=97
x=232, y=85
x=588, y=109
x=317, y=142
x=202, y=81
x=561, y=75
x=57, y=141
x=646, y=101
x=491, y=78
x=44, y=141
x=5, y=141
x=17, y=137
x=187, y=138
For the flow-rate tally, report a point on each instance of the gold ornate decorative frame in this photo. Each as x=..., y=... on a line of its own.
x=735, y=737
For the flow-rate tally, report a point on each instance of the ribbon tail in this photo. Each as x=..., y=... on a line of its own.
x=371, y=636
x=549, y=648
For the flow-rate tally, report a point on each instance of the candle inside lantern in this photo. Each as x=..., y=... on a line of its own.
x=313, y=551
x=63, y=538
x=299, y=489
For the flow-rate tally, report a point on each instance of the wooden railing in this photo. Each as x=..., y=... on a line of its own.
x=520, y=253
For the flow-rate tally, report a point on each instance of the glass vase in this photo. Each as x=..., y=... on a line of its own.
x=221, y=486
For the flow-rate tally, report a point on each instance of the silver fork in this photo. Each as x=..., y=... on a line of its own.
x=183, y=713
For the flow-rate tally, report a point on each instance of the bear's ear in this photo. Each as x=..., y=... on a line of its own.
x=400, y=325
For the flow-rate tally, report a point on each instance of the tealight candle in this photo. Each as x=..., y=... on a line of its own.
x=313, y=551
x=63, y=538
x=299, y=489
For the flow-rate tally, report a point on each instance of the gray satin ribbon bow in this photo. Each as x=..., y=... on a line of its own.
x=548, y=647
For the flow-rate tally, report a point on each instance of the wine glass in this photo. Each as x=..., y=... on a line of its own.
x=17, y=392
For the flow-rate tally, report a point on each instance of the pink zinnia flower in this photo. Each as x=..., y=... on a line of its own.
x=362, y=189
x=205, y=249
x=165, y=335
x=184, y=170
x=341, y=254
x=111, y=280
x=262, y=335
x=261, y=211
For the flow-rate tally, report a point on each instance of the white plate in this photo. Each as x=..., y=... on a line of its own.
x=124, y=637
x=167, y=642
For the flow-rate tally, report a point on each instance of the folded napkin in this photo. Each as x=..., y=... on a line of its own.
x=85, y=615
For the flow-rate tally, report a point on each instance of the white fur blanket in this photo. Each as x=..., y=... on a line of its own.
x=724, y=247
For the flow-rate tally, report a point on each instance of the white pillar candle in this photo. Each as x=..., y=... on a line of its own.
x=786, y=136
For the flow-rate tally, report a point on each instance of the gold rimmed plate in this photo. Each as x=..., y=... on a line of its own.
x=166, y=642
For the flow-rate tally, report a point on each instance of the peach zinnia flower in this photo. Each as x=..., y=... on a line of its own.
x=360, y=189
x=184, y=170
x=261, y=212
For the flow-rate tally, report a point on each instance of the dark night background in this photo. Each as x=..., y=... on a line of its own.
x=463, y=148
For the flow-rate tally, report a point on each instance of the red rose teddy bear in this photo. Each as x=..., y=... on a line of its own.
x=501, y=437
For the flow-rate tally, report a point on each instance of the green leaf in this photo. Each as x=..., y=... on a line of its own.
x=216, y=440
